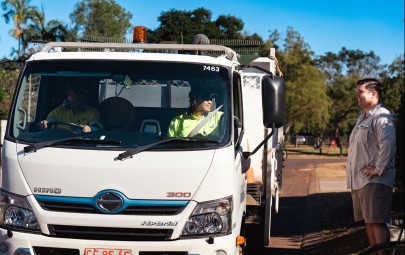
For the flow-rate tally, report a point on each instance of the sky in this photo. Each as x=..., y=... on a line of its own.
x=326, y=26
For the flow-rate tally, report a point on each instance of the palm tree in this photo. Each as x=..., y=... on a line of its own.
x=54, y=30
x=21, y=12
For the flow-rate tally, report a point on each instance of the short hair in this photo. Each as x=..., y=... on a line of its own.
x=77, y=88
x=371, y=84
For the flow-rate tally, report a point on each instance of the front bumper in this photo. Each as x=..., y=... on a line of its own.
x=29, y=244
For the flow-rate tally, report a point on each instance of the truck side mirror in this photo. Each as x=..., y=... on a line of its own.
x=273, y=101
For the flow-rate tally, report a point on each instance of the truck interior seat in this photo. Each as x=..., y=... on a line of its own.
x=151, y=126
x=117, y=114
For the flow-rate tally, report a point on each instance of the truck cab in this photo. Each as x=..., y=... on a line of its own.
x=127, y=186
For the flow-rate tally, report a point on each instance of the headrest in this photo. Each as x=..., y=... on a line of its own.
x=117, y=114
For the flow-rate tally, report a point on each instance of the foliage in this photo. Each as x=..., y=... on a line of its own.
x=349, y=63
x=393, y=84
x=8, y=78
x=344, y=111
x=269, y=43
x=100, y=18
x=20, y=11
x=307, y=102
x=39, y=29
x=181, y=26
x=400, y=159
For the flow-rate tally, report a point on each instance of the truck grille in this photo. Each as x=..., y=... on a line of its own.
x=113, y=234
x=55, y=251
x=131, y=210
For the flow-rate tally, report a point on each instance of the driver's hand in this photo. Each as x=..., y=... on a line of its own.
x=43, y=124
x=86, y=128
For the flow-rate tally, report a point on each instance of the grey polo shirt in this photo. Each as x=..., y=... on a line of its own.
x=372, y=143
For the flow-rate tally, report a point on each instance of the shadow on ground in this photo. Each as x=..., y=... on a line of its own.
x=320, y=223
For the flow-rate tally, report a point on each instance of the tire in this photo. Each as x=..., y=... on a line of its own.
x=388, y=248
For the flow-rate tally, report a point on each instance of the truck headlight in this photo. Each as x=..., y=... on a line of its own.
x=16, y=212
x=210, y=218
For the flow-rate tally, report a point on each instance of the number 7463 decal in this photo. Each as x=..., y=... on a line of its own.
x=211, y=68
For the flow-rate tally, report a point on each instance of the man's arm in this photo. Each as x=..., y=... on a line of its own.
x=171, y=132
x=386, y=136
x=93, y=123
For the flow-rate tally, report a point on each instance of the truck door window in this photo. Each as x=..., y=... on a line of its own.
x=26, y=105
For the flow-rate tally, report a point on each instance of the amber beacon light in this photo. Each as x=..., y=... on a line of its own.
x=139, y=35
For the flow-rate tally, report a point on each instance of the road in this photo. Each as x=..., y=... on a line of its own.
x=298, y=214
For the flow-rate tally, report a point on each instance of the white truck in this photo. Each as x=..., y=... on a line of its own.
x=127, y=188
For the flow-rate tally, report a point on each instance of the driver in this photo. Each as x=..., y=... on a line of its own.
x=75, y=110
x=201, y=102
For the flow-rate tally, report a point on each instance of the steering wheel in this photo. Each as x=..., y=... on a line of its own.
x=77, y=127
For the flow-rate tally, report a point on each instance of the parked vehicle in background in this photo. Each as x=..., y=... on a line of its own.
x=298, y=139
x=301, y=139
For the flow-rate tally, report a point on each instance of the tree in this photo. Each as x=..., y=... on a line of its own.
x=307, y=101
x=54, y=30
x=271, y=42
x=349, y=63
x=20, y=11
x=398, y=199
x=181, y=26
x=8, y=78
x=393, y=84
x=100, y=18
x=230, y=27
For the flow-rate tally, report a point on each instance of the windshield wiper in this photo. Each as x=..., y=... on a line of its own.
x=76, y=139
x=134, y=151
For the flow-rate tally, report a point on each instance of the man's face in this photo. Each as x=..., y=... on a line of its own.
x=204, y=106
x=76, y=98
x=366, y=99
x=204, y=102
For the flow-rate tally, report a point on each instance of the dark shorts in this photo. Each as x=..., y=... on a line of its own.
x=372, y=203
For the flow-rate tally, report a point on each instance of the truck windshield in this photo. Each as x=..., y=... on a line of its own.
x=133, y=103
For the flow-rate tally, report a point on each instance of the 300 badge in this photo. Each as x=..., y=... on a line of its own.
x=178, y=194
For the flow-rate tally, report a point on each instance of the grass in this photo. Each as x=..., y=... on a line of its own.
x=310, y=150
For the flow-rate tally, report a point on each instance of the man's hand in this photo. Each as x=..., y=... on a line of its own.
x=86, y=129
x=369, y=172
x=43, y=124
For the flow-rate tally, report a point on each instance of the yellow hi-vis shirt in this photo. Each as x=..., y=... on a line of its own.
x=88, y=115
x=183, y=124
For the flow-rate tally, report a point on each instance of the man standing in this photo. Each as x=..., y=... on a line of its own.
x=371, y=161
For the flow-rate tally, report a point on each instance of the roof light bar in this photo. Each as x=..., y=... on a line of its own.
x=229, y=53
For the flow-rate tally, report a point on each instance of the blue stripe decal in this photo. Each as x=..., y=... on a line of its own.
x=68, y=200
x=127, y=202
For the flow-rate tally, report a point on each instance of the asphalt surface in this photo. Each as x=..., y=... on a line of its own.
x=296, y=229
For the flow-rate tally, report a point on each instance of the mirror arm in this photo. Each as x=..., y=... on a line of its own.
x=247, y=154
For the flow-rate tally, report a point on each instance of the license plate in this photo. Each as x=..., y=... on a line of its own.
x=102, y=251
